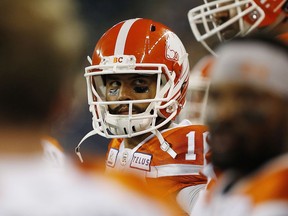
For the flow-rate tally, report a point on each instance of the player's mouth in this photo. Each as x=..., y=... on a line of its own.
x=124, y=110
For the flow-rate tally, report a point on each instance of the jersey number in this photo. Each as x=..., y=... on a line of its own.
x=191, y=145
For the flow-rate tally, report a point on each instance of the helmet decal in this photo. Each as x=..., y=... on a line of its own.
x=171, y=48
x=121, y=39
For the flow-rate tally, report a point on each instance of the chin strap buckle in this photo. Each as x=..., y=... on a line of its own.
x=165, y=146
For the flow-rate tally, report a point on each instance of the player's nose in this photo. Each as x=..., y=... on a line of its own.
x=125, y=93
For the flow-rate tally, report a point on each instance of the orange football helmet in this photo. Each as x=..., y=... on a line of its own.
x=219, y=20
x=141, y=47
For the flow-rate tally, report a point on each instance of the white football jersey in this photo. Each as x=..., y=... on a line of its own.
x=30, y=186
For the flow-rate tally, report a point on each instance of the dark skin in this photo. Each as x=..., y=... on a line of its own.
x=131, y=87
x=224, y=16
x=248, y=126
x=231, y=31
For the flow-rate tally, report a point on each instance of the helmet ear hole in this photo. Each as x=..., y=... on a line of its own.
x=184, y=85
x=153, y=28
x=285, y=7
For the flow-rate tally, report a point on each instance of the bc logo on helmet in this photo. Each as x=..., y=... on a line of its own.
x=118, y=60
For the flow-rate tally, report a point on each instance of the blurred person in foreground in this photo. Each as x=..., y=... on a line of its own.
x=41, y=45
x=248, y=119
x=137, y=84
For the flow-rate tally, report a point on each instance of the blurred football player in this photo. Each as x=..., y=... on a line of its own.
x=216, y=21
x=137, y=84
x=247, y=118
x=41, y=50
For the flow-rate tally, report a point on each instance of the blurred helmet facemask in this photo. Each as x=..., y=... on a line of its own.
x=216, y=21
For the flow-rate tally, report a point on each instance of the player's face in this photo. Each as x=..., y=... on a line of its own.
x=247, y=126
x=223, y=16
x=129, y=87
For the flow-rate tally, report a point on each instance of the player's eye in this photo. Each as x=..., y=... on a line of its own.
x=140, y=86
x=141, y=89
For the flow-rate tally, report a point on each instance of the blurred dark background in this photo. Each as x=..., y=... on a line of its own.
x=99, y=16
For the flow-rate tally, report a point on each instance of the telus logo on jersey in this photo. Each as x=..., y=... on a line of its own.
x=141, y=161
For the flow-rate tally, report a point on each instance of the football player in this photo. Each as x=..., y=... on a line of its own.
x=137, y=84
x=247, y=119
x=220, y=20
x=41, y=43
x=217, y=21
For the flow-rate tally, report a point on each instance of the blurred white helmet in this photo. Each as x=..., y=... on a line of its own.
x=197, y=94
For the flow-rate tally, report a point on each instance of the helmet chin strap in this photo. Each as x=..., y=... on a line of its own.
x=165, y=146
x=77, y=149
